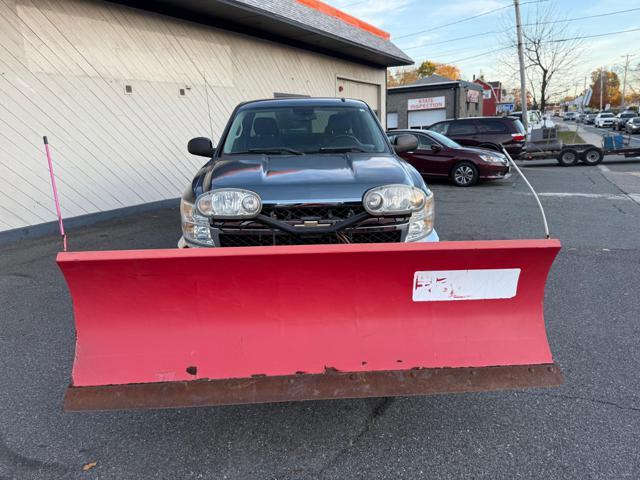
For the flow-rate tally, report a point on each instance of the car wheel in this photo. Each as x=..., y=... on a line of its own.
x=464, y=174
x=568, y=157
x=592, y=156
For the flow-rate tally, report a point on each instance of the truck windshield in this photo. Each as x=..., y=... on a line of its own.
x=296, y=130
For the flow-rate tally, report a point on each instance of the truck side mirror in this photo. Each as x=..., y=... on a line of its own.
x=201, y=146
x=405, y=143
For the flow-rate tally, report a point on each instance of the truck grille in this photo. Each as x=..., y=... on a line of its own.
x=307, y=212
x=253, y=239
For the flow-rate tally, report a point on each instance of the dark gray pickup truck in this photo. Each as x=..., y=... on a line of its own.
x=305, y=171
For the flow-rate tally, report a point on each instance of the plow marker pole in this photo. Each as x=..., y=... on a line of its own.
x=175, y=328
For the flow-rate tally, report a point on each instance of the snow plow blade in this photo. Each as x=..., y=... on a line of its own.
x=194, y=327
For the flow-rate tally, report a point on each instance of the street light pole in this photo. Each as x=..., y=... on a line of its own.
x=523, y=79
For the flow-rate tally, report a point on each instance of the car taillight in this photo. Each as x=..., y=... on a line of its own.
x=517, y=137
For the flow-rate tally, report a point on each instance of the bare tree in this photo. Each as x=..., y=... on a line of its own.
x=550, y=49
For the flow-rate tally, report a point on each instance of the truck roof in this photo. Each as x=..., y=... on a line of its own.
x=300, y=102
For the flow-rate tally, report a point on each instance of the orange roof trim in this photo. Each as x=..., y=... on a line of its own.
x=345, y=17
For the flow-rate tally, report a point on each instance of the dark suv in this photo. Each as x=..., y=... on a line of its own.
x=485, y=132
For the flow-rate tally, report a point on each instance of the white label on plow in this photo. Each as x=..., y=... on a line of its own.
x=449, y=285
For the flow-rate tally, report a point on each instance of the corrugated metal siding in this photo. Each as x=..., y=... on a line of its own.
x=64, y=65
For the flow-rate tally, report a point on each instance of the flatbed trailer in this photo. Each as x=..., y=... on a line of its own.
x=568, y=155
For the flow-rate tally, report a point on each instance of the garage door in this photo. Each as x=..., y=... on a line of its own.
x=425, y=118
x=366, y=92
x=392, y=121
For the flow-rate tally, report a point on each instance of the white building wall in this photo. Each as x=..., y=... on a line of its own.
x=64, y=65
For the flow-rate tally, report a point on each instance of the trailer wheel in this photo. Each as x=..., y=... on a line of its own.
x=568, y=157
x=592, y=156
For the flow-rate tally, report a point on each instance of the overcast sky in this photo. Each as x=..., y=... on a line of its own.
x=406, y=17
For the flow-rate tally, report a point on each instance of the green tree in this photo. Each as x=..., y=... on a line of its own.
x=427, y=68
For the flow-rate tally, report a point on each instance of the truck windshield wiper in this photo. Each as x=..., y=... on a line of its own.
x=274, y=150
x=340, y=149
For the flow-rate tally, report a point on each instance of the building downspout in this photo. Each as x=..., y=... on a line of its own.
x=455, y=102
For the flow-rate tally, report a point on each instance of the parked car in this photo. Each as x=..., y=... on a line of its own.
x=305, y=171
x=590, y=118
x=603, y=119
x=633, y=125
x=621, y=119
x=439, y=156
x=485, y=132
x=570, y=116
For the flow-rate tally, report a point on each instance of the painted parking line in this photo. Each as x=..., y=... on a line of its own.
x=603, y=168
x=597, y=196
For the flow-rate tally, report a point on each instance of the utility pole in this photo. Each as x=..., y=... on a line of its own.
x=601, y=87
x=523, y=79
x=624, y=81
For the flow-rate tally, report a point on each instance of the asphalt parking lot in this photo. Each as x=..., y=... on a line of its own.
x=587, y=429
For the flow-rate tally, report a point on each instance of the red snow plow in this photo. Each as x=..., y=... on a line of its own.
x=183, y=328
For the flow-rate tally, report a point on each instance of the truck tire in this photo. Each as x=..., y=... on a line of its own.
x=464, y=174
x=592, y=156
x=568, y=157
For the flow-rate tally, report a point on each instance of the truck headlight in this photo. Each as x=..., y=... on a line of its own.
x=229, y=203
x=390, y=200
x=195, y=227
x=421, y=221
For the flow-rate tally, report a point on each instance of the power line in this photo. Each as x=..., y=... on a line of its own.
x=592, y=36
x=453, y=23
x=559, y=40
x=454, y=39
x=455, y=50
x=606, y=14
x=478, y=54
x=488, y=12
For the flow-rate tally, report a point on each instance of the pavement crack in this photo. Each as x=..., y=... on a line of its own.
x=21, y=463
x=608, y=178
x=586, y=399
x=619, y=209
x=378, y=411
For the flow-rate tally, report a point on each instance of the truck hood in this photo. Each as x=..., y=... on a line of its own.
x=308, y=178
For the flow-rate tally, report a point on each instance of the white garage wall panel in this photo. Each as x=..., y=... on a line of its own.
x=64, y=65
x=426, y=118
x=359, y=90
